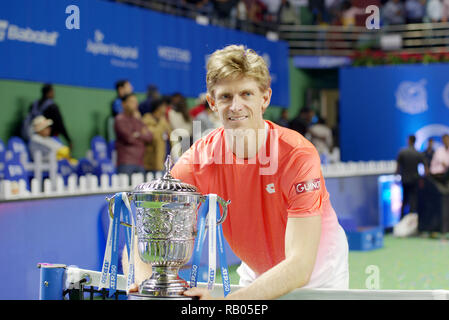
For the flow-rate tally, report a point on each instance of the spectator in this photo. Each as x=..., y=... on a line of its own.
x=321, y=137
x=272, y=9
x=287, y=13
x=415, y=10
x=123, y=88
x=349, y=13
x=200, y=106
x=394, y=12
x=223, y=8
x=317, y=8
x=440, y=160
x=283, y=119
x=132, y=136
x=157, y=124
x=257, y=11
x=407, y=166
x=428, y=153
x=209, y=120
x=334, y=9
x=41, y=140
x=181, y=123
x=152, y=94
x=445, y=11
x=434, y=11
x=302, y=122
x=241, y=14
x=46, y=107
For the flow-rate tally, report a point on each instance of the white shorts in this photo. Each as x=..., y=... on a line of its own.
x=331, y=269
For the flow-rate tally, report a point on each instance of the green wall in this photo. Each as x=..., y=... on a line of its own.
x=85, y=110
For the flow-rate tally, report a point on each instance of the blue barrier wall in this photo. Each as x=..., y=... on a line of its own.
x=117, y=41
x=381, y=106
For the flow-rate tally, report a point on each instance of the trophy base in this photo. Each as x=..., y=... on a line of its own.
x=139, y=296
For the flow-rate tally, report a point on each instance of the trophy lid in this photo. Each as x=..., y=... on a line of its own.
x=165, y=184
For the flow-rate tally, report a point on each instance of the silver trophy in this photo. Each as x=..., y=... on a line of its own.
x=166, y=226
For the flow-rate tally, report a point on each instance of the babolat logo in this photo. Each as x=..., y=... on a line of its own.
x=310, y=185
x=10, y=31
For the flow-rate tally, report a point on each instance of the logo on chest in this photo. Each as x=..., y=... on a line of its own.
x=270, y=188
x=307, y=186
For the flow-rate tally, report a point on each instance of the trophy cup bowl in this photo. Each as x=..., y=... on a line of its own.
x=166, y=227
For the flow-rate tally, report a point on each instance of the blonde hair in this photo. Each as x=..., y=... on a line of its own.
x=235, y=61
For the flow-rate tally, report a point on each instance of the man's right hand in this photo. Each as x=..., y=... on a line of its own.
x=133, y=288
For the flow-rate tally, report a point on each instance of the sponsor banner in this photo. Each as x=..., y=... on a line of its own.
x=116, y=41
x=381, y=106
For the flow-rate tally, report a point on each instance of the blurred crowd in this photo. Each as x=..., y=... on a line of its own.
x=240, y=13
x=143, y=132
x=314, y=128
x=146, y=132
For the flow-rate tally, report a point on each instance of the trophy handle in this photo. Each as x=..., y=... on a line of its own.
x=224, y=205
x=111, y=213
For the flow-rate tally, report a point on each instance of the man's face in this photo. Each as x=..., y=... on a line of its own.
x=240, y=103
x=127, y=88
x=160, y=111
x=131, y=104
x=46, y=132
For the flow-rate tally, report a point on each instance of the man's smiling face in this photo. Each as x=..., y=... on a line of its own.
x=240, y=103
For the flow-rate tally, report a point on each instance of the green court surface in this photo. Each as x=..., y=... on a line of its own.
x=414, y=263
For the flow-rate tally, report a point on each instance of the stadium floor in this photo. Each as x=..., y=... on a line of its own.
x=415, y=263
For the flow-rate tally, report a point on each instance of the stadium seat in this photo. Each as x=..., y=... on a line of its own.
x=17, y=146
x=14, y=171
x=104, y=166
x=85, y=167
x=99, y=148
x=65, y=169
x=18, y=150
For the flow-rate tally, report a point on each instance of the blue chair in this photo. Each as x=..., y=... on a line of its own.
x=14, y=171
x=65, y=169
x=99, y=148
x=84, y=167
x=105, y=166
x=17, y=146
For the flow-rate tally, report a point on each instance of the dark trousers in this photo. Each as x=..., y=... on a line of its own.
x=409, y=197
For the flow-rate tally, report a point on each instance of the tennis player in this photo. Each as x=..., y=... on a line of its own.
x=280, y=222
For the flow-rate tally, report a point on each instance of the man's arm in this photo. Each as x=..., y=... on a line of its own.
x=302, y=237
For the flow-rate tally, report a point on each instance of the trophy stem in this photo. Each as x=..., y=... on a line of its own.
x=164, y=283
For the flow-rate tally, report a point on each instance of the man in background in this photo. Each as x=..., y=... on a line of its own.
x=407, y=167
x=132, y=136
x=439, y=166
x=123, y=88
x=46, y=107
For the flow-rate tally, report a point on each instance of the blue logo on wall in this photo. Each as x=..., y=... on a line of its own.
x=411, y=97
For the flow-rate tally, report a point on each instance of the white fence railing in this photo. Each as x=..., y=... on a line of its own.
x=91, y=184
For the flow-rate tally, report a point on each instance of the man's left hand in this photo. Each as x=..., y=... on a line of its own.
x=201, y=293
